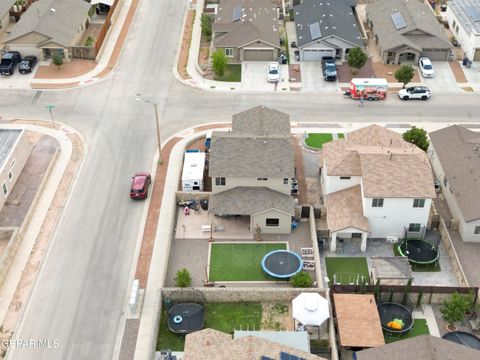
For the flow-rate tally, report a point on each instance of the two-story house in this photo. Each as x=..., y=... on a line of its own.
x=252, y=168
x=454, y=152
x=375, y=185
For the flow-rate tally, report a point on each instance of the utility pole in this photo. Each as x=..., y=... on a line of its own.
x=50, y=108
x=139, y=97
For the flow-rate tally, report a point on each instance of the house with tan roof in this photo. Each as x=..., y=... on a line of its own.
x=454, y=152
x=375, y=185
x=247, y=30
x=216, y=345
x=252, y=167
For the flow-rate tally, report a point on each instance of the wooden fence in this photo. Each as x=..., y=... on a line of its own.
x=91, y=52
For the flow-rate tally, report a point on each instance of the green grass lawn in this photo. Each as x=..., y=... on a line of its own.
x=233, y=73
x=419, y=328
x=224, y=317
x=316, y=140
x=347, y=265
x=240, y=262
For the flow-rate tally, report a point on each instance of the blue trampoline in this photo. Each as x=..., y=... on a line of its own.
x=282, y=264
x=463, y=338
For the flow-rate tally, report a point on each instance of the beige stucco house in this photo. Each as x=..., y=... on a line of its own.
x=252, y=168
x=5, y=6
x=15, y=149
x=49, y=26
x=247, y=30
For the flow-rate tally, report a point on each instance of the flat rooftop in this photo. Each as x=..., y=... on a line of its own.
x=8, y=138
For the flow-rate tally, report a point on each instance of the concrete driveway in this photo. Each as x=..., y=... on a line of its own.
x=17, y=80
x=312, y=79
x=254, y=76
x=444, y=81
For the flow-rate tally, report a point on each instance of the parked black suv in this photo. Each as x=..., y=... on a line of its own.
x=9, y=61
x=329, y=69
x=27, y=64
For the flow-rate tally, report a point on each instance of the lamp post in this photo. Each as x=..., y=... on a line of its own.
x=50, y=108
x=139, y=97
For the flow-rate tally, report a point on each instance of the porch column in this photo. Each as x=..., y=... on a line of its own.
x=333, y=244
x=363, y=247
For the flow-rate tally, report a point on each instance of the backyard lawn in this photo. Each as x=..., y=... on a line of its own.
x=347, y=269
x=240, y=262
x=419, y=328
x=316, y=140
x=233, y=73
x=225, y=317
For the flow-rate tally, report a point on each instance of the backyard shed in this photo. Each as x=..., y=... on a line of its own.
x=358, y=321
x=193, y=168
x=393, y=270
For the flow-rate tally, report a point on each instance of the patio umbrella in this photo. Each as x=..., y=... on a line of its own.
x=310, y=309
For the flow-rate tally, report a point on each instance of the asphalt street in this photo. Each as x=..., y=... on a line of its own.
x=79, y=298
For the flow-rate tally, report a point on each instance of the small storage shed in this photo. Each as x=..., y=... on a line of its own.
x=193, y=168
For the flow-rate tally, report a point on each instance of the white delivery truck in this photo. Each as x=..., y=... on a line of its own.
x=193, y=168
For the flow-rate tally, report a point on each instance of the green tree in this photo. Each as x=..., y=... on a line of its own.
x=183, y=279
x=417, y=136
x=453, y=309
x=206, y=23
x=58, y=59
x=357, y=58
x=404, y=74
x=219, y=62
x=301, y=279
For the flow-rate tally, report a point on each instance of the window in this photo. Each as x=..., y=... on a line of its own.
x=220, y=181
x=445, y=181
x=344, y=177
x=377, y=202
x=10, y=176
x=453, y=23
x=262, y=179
x=272, y=222
x=456, y=29
x=13, y=164
x=477, y=230
x=414, y=227
x=285, y=181
x=418, y=203
x=228, y=52
x=5, y=190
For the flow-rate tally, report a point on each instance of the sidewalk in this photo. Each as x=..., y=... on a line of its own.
x=110, y=52
x=45, y=212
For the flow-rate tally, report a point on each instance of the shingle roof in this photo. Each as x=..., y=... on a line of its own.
x=215, y=345
x=262, y=121
x=335, y=17
x=389, y=166
x=344, y=210
x=258, y=21
x=425, y=347
x=417, y=16
x=250, y=200
x=454, y=147
x=60, y=26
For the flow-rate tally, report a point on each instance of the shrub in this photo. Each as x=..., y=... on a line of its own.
x=206, y=23
x=357, y=58
x=418, y=137
x=301, y=279
x=58, y=59
x=183, y=279
x=404, y=74
x=453, y=309
x=219, y=62
x=89, y=41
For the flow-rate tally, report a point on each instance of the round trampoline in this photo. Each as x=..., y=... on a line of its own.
x=185, y=318
x=282, y=264
x=463, y=338
x=395, y=318
x=419, y=251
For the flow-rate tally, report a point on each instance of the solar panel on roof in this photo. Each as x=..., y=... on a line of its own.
x=287, y=356
x=398, y=20
x=474, y=12
x=237, y=13
x=315, y=32
x=266, y=358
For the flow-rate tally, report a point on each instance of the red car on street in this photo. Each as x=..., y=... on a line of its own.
x=140, y=184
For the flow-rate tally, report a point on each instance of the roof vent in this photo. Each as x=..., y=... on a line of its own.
x=475, y=149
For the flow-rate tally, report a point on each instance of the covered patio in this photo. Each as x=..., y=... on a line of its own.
x=345, y=218
x=358, y=321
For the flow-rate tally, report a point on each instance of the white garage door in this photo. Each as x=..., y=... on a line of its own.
x=316, y=54
x=258, y=55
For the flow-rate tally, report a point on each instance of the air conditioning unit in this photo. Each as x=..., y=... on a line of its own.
x=392, y=239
